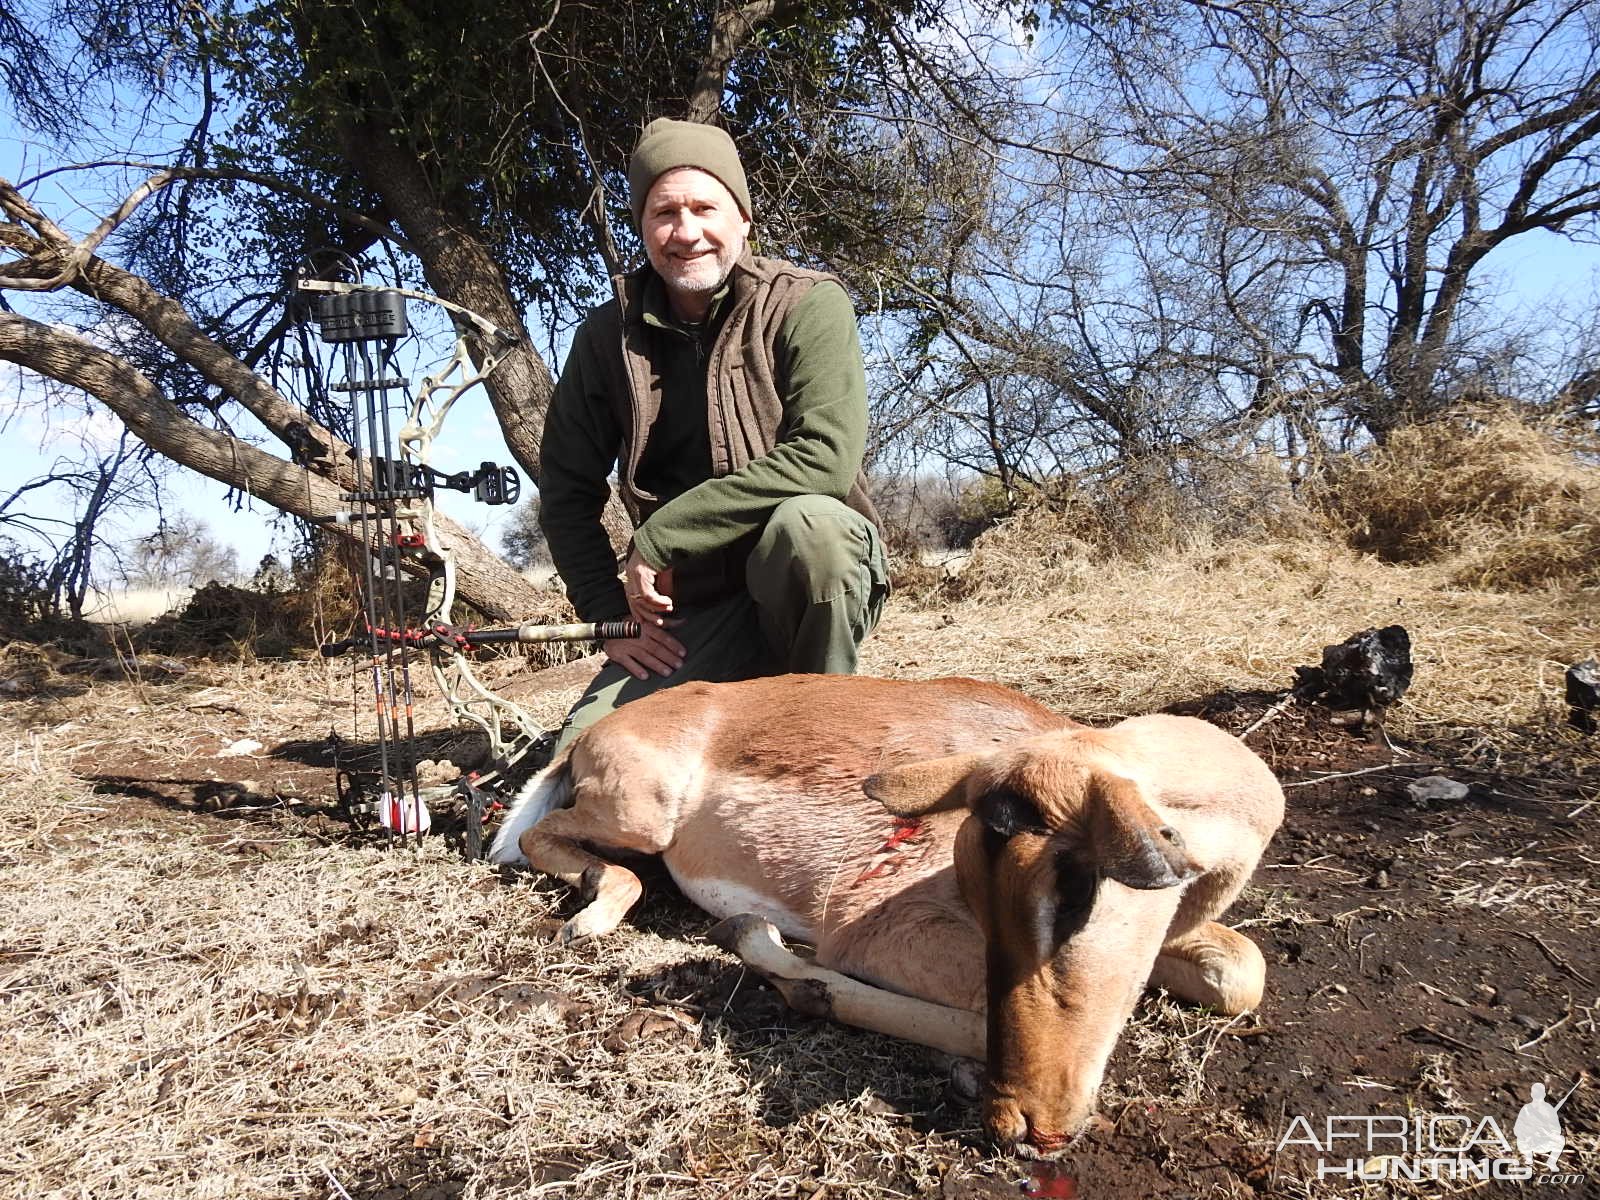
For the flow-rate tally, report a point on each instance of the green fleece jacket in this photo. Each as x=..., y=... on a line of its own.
x=708, y=427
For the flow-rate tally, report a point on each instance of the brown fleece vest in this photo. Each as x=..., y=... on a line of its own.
x=746, y=415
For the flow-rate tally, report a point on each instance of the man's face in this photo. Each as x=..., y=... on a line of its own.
x=693, y=233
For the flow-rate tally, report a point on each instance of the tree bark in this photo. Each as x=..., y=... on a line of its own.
x=730, y=32
x=458, y=266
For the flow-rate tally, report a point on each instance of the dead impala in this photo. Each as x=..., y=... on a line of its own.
x=976, y=873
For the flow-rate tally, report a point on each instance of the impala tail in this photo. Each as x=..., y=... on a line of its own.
x=547, y=791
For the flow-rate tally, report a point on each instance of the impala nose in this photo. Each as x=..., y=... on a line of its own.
x=1010, y=1125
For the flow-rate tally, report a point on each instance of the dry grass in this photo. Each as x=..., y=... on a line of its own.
x=209, y=1007
x=1501, y=499
x=1495, y=498
x=1147, y=511
x=1102, y=639
x=239, y=1006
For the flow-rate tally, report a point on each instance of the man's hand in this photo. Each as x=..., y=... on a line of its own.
x=649, y=591
x=649, y=601
x=654, y=650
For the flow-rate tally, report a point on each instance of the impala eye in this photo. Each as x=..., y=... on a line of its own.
x=1076, y=885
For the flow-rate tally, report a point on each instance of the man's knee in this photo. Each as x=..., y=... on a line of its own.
x=816, y=543
x=722, y=643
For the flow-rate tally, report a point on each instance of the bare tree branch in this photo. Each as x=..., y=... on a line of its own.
x=731, y=31
x=486, y=581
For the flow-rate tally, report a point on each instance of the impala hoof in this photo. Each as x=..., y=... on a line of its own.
x=586, y=925
x=730, y=933
x=966, y=1079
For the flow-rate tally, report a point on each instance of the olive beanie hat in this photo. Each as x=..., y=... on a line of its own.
x=667, y=144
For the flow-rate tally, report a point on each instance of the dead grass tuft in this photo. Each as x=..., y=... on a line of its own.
x=25, y=669
x=222, y=620
x=1504, y=499
x=1063, y=536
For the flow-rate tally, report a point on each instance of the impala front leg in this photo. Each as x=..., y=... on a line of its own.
x=1215, y=966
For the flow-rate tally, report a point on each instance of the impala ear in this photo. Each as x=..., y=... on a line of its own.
x=1129, y=842
x=918, y=788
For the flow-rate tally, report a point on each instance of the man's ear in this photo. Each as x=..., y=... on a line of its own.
x=934, y=785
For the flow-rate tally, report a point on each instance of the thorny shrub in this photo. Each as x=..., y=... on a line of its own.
x=25, y=593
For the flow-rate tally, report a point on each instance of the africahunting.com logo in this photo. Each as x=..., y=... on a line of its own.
x=1440, y=1147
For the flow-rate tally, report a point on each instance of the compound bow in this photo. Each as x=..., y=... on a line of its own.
x=392, y=516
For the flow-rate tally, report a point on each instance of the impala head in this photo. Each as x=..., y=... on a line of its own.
x=1049, y=821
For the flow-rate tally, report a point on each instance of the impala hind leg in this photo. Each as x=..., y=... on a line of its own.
x=555, y=846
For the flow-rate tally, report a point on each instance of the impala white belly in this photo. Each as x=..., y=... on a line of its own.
x=724, y=898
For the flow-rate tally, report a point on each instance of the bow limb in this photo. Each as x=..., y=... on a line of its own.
x=427, y=416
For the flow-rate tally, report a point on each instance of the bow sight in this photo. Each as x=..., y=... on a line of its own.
x=489, y=484
x=391, y=515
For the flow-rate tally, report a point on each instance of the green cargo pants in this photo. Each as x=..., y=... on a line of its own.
x=815, y=586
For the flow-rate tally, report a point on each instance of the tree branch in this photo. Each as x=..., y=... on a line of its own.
x=731, y=31
x=76, y=253
x=485, y=581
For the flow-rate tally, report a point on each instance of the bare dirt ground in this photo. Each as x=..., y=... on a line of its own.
x=210, y=985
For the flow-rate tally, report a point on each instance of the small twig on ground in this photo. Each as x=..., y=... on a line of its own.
x=1361, y=953
x=1443, y=1038
x=1355, y=912
x=658, y=996
x=1554, y=957
x=1384, y=735
x=727, y=1006
x=1548, y=1030
x=1342, y=775
x=1271, y=714
x=1215, y=1038
x=130, y=665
